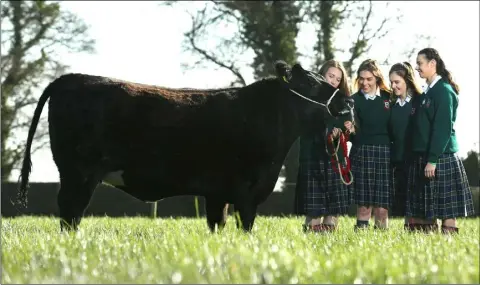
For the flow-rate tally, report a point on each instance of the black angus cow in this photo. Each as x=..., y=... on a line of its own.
x=227, y=145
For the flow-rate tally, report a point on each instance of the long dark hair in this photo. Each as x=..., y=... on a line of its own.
x=431, y=53
x=405, y=70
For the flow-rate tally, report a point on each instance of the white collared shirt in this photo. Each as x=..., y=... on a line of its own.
x=402, y=103
x=425, y=89
x=372, y=97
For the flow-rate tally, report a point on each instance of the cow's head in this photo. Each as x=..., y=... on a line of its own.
x=314, y=89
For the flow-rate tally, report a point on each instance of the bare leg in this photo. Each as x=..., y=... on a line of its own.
x=330, y=220
x=329, y=223
x=363, y=217
x=312, y=223
x=381, y=218
x=449, y=226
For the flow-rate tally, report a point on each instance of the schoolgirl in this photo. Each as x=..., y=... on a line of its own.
x=324, y=195
x=370, y=153
x=438, y=186
x=405, y=90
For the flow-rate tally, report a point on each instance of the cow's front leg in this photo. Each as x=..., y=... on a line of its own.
x=246, y=211
x=217, y=212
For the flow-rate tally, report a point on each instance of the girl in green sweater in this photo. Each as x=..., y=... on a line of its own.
x=370, y=153
x=438, y=185
x=319, y=188
x=405, y=91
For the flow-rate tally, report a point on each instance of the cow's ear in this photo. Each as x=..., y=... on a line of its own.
x=282, y=70
x=298, y=67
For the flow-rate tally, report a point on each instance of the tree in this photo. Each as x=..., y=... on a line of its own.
x=472, y=168
x=364, y=29
x=268, y=30
x=327, y=15
x=32, y=34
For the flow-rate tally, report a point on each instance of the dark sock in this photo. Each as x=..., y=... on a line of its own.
x=362, y=224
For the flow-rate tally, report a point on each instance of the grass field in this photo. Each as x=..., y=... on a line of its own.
x=140, y=250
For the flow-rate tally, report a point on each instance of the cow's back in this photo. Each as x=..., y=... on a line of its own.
x=162, y=134
x=81, y=100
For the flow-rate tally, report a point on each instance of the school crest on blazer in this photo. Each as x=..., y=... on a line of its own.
x=386, y=104
x=426, y=102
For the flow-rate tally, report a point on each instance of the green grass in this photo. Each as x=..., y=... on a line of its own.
x=140, y=250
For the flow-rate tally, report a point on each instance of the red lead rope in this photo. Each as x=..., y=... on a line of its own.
x=345, y=167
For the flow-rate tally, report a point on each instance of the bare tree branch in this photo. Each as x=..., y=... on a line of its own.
x=366, y=37
x=200, y=23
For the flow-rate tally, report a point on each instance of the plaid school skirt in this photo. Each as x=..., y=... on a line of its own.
x=324, y=193
x=372, y=175
x=447, y=195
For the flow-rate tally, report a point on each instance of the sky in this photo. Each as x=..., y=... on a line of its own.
x=142, y=42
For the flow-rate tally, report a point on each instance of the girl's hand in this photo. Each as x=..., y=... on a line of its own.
x=336, y=132
x=430, y=170
x=349, y=126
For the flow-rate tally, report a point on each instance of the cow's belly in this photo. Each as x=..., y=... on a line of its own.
x=152, y=180
x=148, y=187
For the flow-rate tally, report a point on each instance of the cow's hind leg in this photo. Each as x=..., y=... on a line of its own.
x=73, y=198
x=217, y=213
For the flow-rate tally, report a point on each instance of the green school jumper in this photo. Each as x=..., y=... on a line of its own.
x=434, y=135
x=373, y=116
x=400, y=121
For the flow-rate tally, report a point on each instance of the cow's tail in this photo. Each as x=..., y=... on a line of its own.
x=27, y=162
